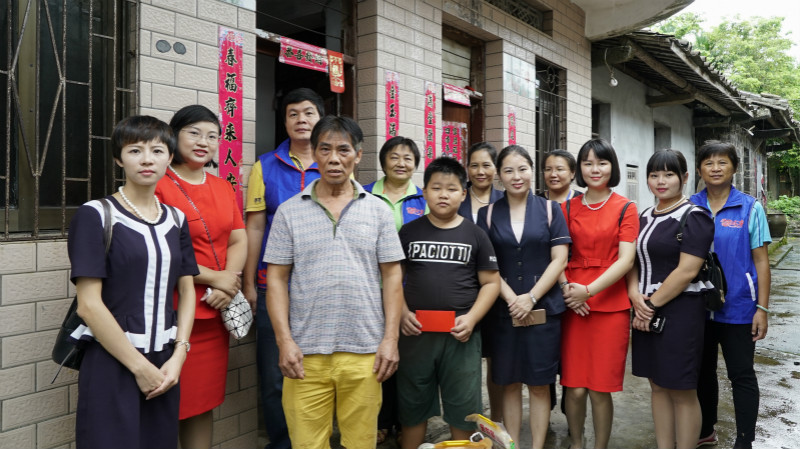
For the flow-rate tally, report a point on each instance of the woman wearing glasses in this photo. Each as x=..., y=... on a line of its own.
x=220, y=245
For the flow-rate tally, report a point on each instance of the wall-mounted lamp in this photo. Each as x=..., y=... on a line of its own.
x=613, y=81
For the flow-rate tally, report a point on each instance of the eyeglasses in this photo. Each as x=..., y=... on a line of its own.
x=195, y=136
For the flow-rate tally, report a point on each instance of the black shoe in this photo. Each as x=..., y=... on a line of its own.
x=741, y=444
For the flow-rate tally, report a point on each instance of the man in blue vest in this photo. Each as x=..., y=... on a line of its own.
x=276, y=176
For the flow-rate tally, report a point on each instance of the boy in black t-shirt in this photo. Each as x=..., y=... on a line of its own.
x=450, y=266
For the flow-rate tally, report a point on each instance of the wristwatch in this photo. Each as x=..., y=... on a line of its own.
x=183, y=342
x=533, y=299
x=650, y=305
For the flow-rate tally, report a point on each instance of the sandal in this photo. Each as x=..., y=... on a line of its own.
x=382, y=433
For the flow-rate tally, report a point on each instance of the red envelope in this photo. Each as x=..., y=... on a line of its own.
x=436, y=320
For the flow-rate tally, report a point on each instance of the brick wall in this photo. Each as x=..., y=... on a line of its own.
x=34, y=296
x=35, y=291
x=405, y=36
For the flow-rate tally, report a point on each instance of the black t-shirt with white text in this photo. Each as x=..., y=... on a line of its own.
x=441, y=266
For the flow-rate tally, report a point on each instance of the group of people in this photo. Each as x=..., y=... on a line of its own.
x=375, y=304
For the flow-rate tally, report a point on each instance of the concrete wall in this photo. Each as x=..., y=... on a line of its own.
x=631, y=126
x=35, y=290
x=405, y=36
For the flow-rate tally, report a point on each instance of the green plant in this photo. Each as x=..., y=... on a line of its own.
x=787, y=205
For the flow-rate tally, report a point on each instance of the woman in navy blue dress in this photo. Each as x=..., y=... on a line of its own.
x=664, y=280
x=532, y=244
x=136, y=343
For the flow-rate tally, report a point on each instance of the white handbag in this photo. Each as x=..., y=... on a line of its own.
x=237, y=316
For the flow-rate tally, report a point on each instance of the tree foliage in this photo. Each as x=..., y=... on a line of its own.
x=753, y=54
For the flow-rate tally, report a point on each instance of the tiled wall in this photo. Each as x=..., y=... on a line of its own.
x=405, y=36
x=35, y=291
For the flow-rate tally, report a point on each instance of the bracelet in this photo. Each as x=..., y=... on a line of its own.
x=184, y=343
x=564, y=284
x=762, y=308
x=649, y=304
x=533, y=298
x=587, y=291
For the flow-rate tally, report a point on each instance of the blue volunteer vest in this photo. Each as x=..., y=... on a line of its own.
x=282, y=180
x=732, y=245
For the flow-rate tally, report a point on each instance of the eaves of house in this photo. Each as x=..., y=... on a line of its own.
x=682, y=75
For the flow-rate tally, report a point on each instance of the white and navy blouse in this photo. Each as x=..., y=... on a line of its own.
x=658, y=250
x=139, y=273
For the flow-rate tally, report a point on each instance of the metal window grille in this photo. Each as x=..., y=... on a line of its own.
x=67, y=71
x=632, y=184
x=521, y=10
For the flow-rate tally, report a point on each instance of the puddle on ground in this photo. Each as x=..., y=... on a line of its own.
x=764, y=360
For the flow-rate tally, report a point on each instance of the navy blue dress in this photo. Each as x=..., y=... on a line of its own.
x=139, y=276
x=525, y=354
x=672, y=358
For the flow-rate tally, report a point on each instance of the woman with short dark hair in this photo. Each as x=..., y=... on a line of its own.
x=136, y=338
x=481, y=171
x=559, y=171
x=663, y=288
x=741, y=239
x=603, y=226
x=220, y=243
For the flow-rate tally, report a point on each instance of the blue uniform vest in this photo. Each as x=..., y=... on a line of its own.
x=413, y=205
x=282, y=180
x=732, y=245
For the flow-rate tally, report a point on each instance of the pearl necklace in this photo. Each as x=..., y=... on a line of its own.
x=136, y=209
x=181, y=177
x=671, y=206
x=477, y=198
x=585, y=203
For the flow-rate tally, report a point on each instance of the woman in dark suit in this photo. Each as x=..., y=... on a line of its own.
x=531, y=240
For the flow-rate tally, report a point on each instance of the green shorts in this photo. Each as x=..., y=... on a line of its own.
x=434, y=362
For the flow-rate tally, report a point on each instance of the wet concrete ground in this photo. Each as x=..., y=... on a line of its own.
x=777, y=367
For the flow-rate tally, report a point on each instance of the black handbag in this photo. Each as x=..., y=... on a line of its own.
x=66, y=352
x=711, y=271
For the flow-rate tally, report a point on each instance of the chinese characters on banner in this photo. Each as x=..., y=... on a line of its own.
x=512, y=126
x=430, y=122
x=336, y=71
x=230, y=107
x=303, y=55
x=451, y=139
x=455, y=94
x=392, y=104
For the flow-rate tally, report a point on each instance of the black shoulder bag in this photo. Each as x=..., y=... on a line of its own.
x=711, y=271
x=65, y=352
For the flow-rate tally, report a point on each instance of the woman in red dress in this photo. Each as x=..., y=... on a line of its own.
x=603, y=226
x=220, y=245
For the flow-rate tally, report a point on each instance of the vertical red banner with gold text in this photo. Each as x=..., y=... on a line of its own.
x=230, y=107
x=512, y=126
x=430, y=122
x=392, y=104
x=336, y=71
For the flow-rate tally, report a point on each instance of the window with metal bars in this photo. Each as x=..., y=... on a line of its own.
x=551, y=114
x=632, y=183
x=67, y=75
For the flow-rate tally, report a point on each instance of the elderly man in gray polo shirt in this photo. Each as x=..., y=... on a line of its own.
x=336, y=331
